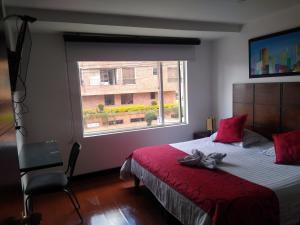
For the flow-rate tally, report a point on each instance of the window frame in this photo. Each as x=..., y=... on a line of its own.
x=182, y=82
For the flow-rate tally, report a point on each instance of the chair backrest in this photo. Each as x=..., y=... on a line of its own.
x=72, y=159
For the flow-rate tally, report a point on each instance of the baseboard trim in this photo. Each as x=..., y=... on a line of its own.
x=97, y=173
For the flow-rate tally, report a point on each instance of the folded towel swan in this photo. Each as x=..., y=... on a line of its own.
x=199, y=159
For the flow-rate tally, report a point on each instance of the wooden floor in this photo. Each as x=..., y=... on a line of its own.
x=105, y=200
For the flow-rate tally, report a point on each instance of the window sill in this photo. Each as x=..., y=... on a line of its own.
x=96, y=134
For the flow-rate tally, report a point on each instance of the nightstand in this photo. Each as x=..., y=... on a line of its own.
x=201, y=134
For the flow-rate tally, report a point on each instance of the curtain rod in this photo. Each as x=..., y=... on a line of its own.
x=130, y=39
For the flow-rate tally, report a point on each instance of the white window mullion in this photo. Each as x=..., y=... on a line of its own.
x=161, y=94
x=183, y=98
x=179, y=93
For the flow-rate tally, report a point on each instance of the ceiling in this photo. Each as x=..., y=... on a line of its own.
x=231, y=12
x=236, y=11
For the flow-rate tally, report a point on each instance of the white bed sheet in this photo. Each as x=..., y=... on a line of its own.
x=248, y=163
x=251, y=164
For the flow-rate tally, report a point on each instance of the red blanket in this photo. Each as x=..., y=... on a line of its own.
x=228, y=199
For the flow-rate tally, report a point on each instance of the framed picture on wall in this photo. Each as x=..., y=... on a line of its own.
x=275, y=55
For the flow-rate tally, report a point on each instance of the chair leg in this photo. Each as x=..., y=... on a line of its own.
x=74, y=204
x=74, y=196
x=28, y=205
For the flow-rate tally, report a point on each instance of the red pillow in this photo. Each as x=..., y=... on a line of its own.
x=287, y=147
x=231, y=129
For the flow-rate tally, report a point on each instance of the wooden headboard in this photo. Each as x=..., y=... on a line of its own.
x=271, y=107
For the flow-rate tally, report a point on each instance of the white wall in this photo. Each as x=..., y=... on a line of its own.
x=230, y=58
x=50, y=115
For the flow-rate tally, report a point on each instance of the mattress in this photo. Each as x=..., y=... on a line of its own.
x=248, y=163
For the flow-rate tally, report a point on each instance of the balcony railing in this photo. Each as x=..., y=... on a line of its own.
x=172, y=79
x=129, y=81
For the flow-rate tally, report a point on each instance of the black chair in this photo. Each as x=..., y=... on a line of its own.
x=54, y=182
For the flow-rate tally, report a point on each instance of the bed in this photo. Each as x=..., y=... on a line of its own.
x=248, y=188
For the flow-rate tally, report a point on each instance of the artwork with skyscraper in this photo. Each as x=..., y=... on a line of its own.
x=275, y=55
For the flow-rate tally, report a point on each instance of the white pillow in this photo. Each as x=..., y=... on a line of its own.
x=250, y=138
x=213, y=136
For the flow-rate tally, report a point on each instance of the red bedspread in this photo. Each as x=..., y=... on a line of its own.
x=228, y=199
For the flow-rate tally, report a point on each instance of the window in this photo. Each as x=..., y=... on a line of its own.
x=95, y=80
x=128, y=75
x=108, y=76
x=126, y=99
x=109, y=99
x=152, y=95
x=90, y=76
x=157, y=100
x=97, y=76
x=172, y=74
x=155, y=71
x=134, y=120
x=115, y=122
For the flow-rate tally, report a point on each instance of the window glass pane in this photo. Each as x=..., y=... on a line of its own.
x=108, y=76
x=95, y=80
x=128, y=75
x=155, y=71
x=114, y=105
x=172, y=72
x=126, y=99
x=90, y=76
x=109, y=99
x=171, y=92
x=152, y=95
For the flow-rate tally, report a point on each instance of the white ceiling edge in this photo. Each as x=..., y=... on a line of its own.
x=123, y=20
x=57, y=27
x=51, y=21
